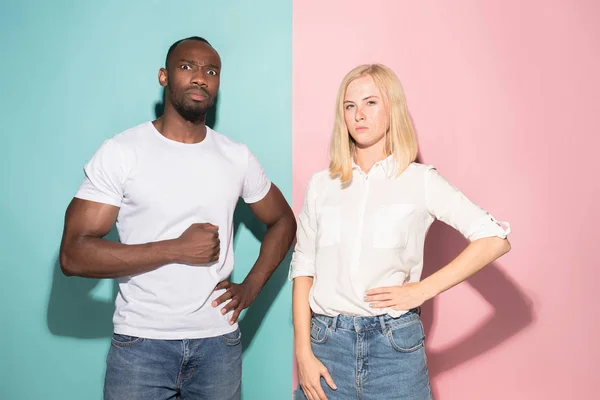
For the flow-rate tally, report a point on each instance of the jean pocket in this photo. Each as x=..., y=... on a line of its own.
x=125, y=340
x=232, y=338
x=318, y=331
x=406, y=338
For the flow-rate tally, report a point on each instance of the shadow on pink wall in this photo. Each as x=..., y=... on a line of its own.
x=513, y=310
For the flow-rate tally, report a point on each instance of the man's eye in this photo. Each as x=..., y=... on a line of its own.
x=186, y=67
x=212, y=72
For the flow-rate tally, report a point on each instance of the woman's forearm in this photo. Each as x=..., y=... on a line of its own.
x=474, y=257
x=301, y=315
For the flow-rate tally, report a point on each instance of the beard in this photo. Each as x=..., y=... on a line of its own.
x=190, y=110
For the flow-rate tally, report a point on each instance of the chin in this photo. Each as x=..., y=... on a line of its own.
x=363, y=141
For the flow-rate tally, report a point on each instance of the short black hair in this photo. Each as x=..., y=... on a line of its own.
x=174, y=45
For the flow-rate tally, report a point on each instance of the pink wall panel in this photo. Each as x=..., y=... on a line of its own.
x=505, y=97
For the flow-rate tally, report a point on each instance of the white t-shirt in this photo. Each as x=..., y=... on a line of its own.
x=162, y=187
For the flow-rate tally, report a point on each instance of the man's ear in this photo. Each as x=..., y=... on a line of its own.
x=163, y=77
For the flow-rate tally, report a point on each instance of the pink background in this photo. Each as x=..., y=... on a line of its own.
x=505, y=96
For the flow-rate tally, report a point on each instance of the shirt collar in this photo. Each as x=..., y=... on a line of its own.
x=388, y=166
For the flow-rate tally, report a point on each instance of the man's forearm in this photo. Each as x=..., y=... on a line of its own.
x=93, y=257
x=274, y=247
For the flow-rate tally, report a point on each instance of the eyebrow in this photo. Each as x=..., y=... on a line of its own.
x=366, y=98
x=195, y=63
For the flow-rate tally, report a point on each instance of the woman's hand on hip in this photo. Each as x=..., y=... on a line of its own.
x=401, y=298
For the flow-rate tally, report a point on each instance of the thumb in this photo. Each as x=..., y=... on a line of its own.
x=208, y=226
x=329, y=379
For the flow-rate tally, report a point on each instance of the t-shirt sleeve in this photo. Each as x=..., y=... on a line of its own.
x=104, y=175
x=256, y=184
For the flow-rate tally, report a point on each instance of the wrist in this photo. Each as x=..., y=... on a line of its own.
x=427, y=289
x=302, y=352
x=254, y=283
x=168, y=251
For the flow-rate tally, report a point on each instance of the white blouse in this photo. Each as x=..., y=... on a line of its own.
x=372, y=233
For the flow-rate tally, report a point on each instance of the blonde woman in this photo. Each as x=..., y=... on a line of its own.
x=359, y=254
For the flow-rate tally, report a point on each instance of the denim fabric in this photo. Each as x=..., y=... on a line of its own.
x=210, y=368
x=371, y=358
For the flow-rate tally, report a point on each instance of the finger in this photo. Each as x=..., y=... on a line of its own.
x=308, y=393
x=383, y=304
x=329, y=380
x=222, y=298
x=216, y=254
x=223, y=285
x=378, y=297
x=319, y=391
x=379, y=290
x=230, y=306
x=235, y=316
x=313, y=393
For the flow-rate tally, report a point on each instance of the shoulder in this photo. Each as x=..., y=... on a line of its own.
x=416, y=168
x=321, y=178
x=226, y=143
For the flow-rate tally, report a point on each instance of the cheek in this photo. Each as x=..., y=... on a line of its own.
x=348, y=119
x=380, y=118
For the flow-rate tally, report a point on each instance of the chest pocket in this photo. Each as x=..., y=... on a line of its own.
x=391, y=225
x=328, y=226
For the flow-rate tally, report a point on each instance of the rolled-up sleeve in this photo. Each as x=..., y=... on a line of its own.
x=449, y=205
x=303, y=258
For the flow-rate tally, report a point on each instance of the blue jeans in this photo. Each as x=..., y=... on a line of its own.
x=149, y=369
x=371, y=358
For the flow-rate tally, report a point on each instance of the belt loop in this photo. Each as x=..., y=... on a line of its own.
x=334, y=321
x=382, y=323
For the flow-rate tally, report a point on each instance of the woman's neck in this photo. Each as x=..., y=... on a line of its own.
x=365, y=158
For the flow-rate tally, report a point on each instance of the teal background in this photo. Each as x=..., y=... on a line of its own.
x=73, y=74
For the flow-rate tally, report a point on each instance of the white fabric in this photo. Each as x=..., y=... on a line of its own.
x=162, y=187
x=372, y=233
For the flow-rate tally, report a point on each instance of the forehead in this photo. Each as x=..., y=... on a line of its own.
x=195, y=50
x=362, y=86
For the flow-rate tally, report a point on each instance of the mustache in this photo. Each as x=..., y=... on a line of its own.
x=197, y=89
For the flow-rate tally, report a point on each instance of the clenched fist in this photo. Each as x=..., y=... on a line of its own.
x=199, y=244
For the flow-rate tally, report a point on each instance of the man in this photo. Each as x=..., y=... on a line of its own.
x=172, y=186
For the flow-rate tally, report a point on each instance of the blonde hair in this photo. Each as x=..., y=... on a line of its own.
x=400, y=139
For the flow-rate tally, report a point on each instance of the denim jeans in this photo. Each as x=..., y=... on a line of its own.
x=371, y=358
x=210, y=368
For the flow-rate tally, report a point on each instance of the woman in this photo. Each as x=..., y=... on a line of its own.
x=359, y=255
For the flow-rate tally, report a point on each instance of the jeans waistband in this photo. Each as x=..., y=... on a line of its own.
x=360, y=324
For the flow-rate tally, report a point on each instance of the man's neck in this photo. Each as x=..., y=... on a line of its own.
x=173, y=126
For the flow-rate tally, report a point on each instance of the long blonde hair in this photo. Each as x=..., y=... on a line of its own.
x=400, y=140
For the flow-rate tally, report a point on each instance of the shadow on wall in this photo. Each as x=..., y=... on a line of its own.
x=74, y=312
x=512, y=310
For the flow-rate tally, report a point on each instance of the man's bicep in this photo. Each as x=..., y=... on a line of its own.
x=272, y=207
x=89, y=218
